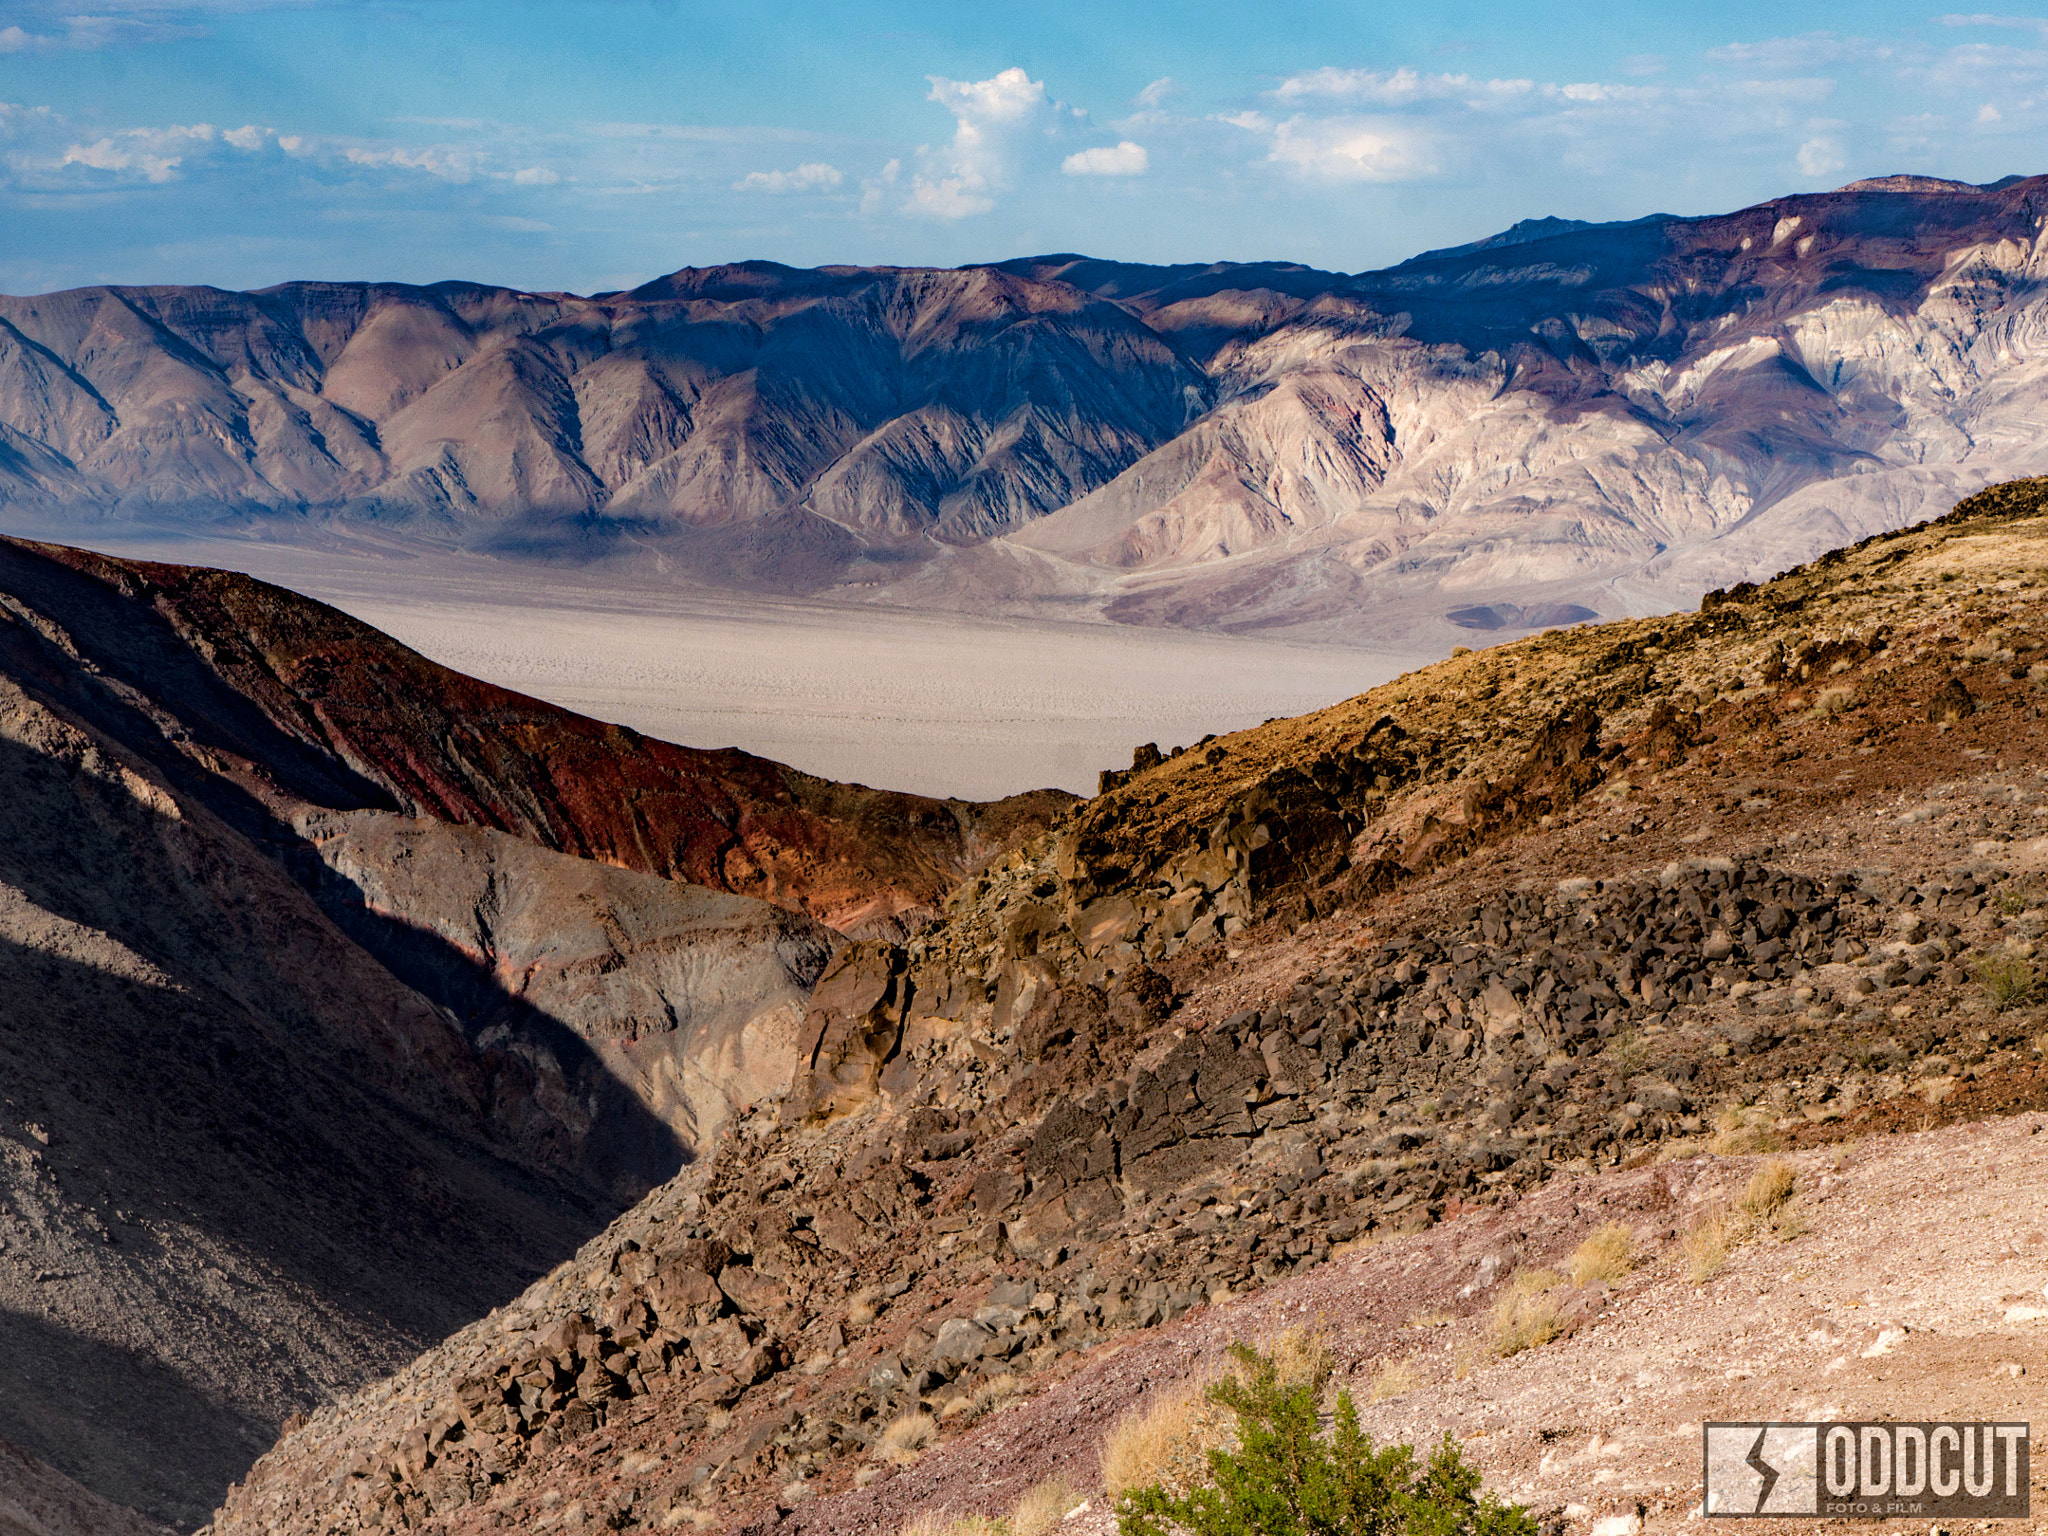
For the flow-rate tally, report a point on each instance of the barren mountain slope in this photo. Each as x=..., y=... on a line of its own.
x=294, y=1081
x=1611, y=417
x=287, y=696
x=1770, y=871
x=38, y=1500
x=848, y=402
x=242, y=1167
x=1682, y=402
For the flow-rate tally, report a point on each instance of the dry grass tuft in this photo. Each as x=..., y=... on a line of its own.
x=1395, y=1378
x=1166, y=1443
x=1043, y=1508
x=1769, y=1191
x=1526, y=1315
x=1627, y=1050
x=1707, y=1246
x=1764, y=1206
x=1740, y=1131
x=1607, y=1254
x=1302, y=1357
x=904, y=1438
x=992, y=1393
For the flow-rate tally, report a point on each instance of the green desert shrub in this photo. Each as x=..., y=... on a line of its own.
x=1287, y=1478
x=2008, y=979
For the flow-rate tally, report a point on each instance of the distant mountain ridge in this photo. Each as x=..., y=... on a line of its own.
x=1595, y=414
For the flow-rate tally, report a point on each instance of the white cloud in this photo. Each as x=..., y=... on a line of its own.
x=812, y=176
x=88, y=33
x=1395, y=87
x=1124, y=159
x=990, y=118
x=1975, y=68
x=154, y=154
x=1989, y=114
x=1009, y=97
x=1806, y=51
x=449, y=163
x=535, y=176
x=874, y=191
x=947, y=197
x=1352, y=85
x=2013, y=23
x=1155, y=94
x=1345, y=149
x=1821, y=157
x=1600, y=91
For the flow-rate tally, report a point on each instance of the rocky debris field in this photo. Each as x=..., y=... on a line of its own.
x=1593, y=906
x=1828, y=1314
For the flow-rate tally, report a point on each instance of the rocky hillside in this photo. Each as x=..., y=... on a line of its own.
x=38, y=1500
x=1770, y=874
x=1575, y=418
x=344, y=995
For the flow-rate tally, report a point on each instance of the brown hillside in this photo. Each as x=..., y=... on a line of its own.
x=1601, y=901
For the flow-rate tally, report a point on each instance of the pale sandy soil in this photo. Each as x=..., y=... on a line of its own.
x=933, y=703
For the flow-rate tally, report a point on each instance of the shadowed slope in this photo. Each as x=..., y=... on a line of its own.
x=316, y=1038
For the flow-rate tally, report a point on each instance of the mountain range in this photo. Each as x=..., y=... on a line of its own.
x=1562, y=419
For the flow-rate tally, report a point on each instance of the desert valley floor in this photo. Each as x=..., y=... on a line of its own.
x=934, y=704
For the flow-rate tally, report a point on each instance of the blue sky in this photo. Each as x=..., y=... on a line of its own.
x=592, y=145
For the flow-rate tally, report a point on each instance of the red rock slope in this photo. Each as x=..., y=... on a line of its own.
x=327, y=710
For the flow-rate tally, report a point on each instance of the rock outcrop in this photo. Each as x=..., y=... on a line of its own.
x=690, y=1000
x=1592, y=901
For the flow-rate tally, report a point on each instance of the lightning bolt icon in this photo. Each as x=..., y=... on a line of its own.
x=1763, y=1469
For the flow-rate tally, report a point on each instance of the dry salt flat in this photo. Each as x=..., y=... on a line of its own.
x=935, y=703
